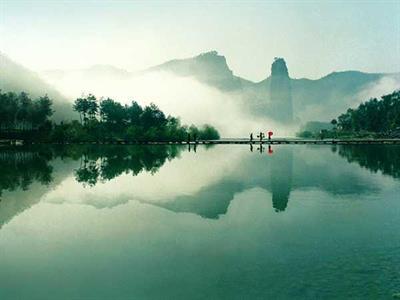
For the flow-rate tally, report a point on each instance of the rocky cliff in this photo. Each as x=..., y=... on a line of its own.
x=210, y=68
x=281, y=104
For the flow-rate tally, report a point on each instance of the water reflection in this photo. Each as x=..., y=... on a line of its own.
x=29, y=173
x=281, y=178
x=385, y=159
x=315, y=169
x=21, y=167
x=107, y=163
x=272, y=170
x=141, y=223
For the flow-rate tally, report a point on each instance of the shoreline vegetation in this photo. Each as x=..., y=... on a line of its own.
x=26, y=165
x=101, y=120
x=105, y=121
x=373, y=119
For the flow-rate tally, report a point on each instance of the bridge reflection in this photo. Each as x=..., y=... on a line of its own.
x=275, y=169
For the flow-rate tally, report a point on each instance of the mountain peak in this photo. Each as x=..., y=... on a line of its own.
x=279, y=67
x=208, y=67
x=210, y=53
x=212, y=57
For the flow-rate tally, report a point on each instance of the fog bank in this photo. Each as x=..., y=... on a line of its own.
x=184, y=97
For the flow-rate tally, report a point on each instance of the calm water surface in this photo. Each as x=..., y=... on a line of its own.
x=121, y=222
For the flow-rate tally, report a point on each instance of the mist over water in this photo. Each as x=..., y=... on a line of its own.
x=194, y=102
x=203, y=89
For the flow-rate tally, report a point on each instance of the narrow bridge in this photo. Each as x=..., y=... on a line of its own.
x=297, y=141
x=276, y=141
x=228, y=141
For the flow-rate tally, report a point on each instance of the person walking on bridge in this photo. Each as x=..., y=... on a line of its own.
x=270, y=133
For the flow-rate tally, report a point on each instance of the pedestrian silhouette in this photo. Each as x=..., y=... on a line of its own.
x=270, y=133
x=261, y=148
x=261, y=136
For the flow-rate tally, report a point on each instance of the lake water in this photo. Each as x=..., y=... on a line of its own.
x=155, y=222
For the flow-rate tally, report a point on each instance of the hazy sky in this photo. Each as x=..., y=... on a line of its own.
x=315, y=37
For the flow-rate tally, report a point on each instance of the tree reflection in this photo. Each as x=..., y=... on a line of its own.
x=108, y=162
x=282, y=171
x=88, y=173
x=20, y=167
x=384, y=158
x=23, y=166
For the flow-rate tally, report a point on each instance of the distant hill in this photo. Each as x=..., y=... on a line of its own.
x=210, y=68
x=338, y=91
x=16, y=78
x=96, y=71
x=312, y=99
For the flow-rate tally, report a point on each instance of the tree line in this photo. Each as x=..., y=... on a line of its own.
x=99, y=120
x=379, y=116
x=20, y=112
x=109, y=119
x=373, y=118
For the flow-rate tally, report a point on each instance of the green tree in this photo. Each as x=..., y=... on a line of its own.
x=41, y=111
x=24, y=113
x=82, y=106
x=133, y=113
x=112, y=112
x=19, y=111
x=374, y=115
x=208, y=132
x=152, y=116
x=92, y=107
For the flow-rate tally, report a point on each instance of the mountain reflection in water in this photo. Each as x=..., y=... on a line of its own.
x=285, y=169
x=160, y=222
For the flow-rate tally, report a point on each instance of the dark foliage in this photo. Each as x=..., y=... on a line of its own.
x=107, y=119
x=23, y=168
x=18, y=112
x=100, y=120
x=26, y=165
x=108, y=162
x=375, y=115
x=374, y=118
x=374, y=158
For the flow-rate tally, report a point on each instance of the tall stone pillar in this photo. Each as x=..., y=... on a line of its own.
x=281, y=108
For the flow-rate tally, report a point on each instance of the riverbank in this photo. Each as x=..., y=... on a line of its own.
x=277, y=141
